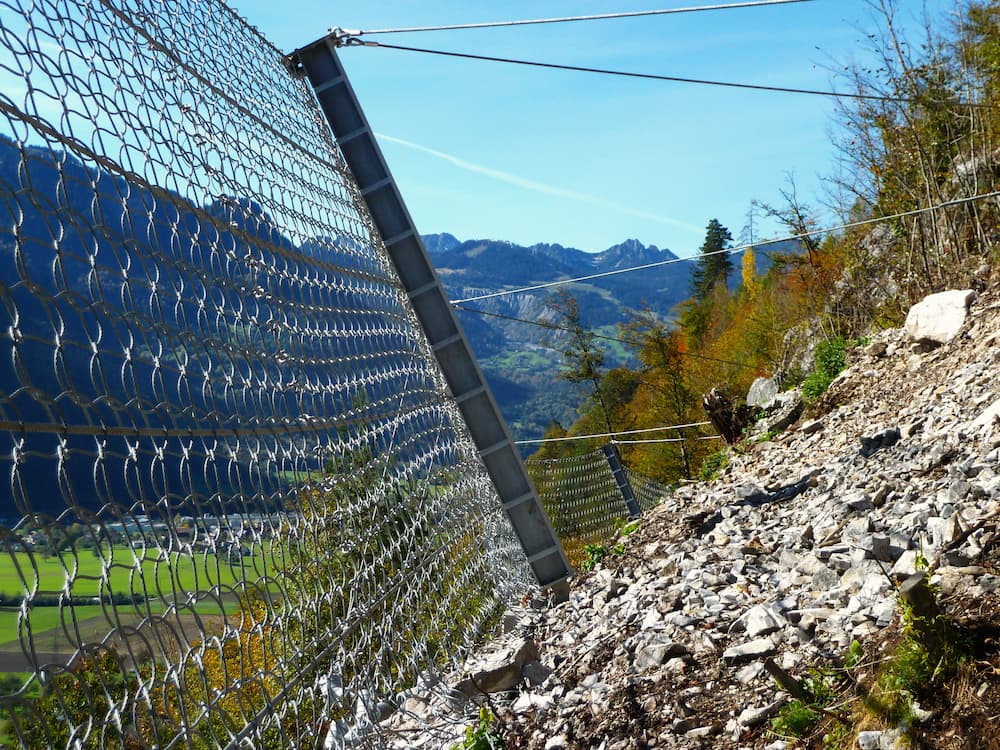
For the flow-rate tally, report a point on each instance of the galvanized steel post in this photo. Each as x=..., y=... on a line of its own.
x=321, y=65
x=615, y=462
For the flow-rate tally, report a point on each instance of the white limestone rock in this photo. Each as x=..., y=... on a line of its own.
x=762, y=393
x=762, y=620
x=939, y=317
x=755, y=649
x=501, y=670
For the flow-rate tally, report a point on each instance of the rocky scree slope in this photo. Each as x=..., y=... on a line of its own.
x=791, y=555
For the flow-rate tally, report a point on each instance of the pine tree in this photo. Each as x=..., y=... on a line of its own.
x=714, y=265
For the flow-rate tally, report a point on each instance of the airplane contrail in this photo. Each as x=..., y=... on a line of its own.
x=538, y=187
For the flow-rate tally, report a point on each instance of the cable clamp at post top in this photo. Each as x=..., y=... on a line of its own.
x=338, y=36
x=344, y=37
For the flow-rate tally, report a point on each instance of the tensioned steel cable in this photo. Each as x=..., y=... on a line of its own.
x=614, y=434
x=574, y=19
x=355, y=42
x=603, y=337
x=664, y=440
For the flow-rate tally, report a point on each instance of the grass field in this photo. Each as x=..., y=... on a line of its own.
x=161, y=576
x=522, y=360
x=91, y=619
x=42, y=619
x=158, y=577
x=299, y=477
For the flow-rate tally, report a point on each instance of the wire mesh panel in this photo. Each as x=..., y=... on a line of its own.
x=582, y=499
x=240, y=508
x=648, y=492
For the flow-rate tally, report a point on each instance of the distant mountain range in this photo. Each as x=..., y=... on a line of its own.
x=483, y=266
x=521, y=360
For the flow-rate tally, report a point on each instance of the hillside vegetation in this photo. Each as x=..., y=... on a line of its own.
x=918, y=157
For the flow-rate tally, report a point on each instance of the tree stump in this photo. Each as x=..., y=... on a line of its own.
x=720, y=413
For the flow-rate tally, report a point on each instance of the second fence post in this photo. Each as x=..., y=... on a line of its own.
x=615, y=462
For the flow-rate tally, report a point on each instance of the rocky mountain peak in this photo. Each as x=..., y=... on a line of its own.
x=630, y=253
x=440, y=243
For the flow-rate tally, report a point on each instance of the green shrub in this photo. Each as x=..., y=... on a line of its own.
x=712, y=465
x=794, y=719
x=482, y=736
x=593, y=554
x=855, y=654
x=821, y=686
x=624, y=528
x=930, y=652
x=830, y=360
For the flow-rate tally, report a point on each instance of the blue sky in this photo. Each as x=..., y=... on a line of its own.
x=489, y=150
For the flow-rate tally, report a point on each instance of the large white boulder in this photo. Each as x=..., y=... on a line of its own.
x=762, y=393
x=939, y=317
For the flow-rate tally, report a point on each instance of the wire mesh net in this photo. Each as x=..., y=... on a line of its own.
x=241, y=508
x=581, y=498
x=648, y=492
